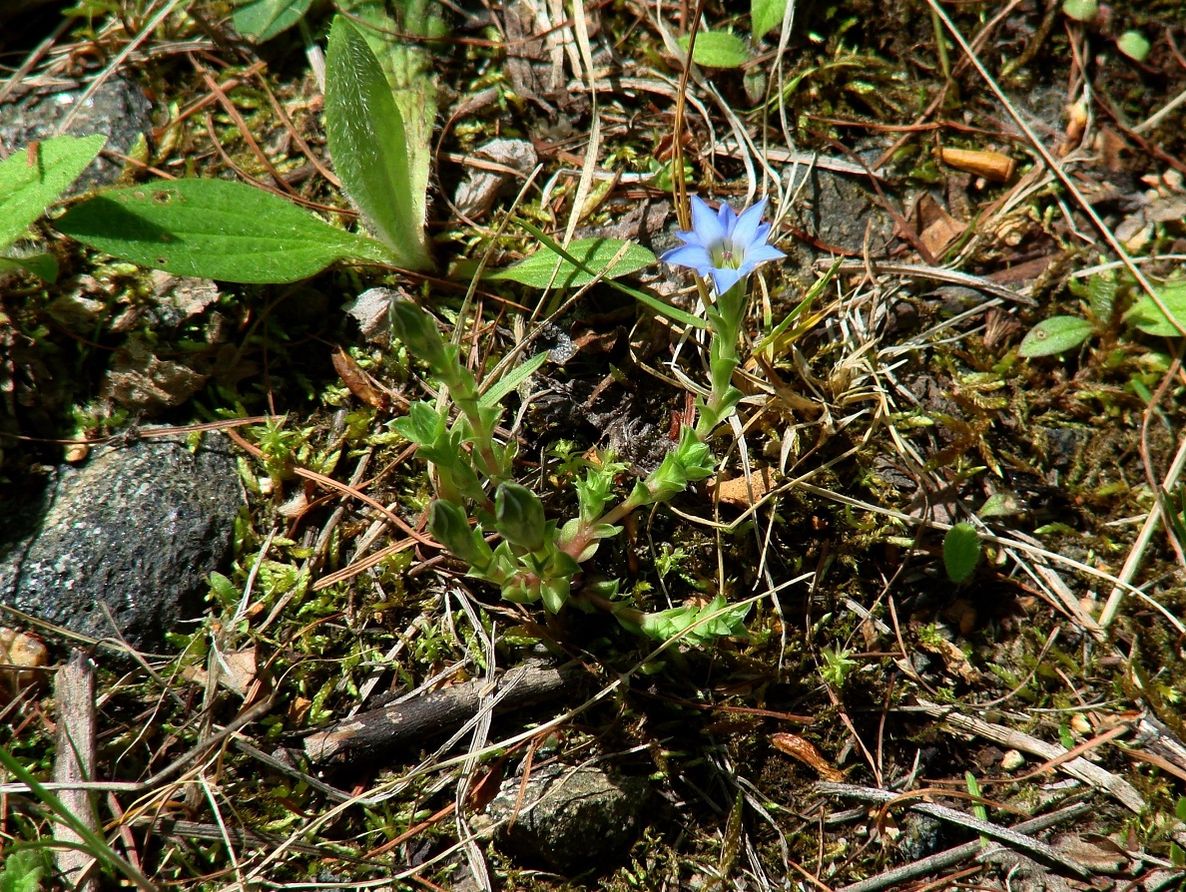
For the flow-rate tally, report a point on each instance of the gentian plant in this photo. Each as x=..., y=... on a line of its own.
x=537, y=559
x=724, y=248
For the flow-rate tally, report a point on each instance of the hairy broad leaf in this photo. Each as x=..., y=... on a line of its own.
x=402, y=34
x=1055, y=335
x=545, y=268
x=214, y=229
x=1146, y=315
x=31, y=179
x=263, y=19
x=718, y=49
x=961, y=552
x=369, y=146
x=765, y=16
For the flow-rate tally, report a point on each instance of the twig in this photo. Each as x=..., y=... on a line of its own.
x=74, y=762
x=1120, y=790
x=942, y=860
x=370, y=734
x=1014, y=838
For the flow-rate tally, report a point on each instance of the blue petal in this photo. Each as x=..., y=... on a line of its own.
x=748, y=225
x=759, y=255
x=727, y=219
x=726, y=278
x=691, y=256
x=705, y=223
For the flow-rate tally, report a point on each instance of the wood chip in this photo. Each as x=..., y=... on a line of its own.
x=74, y=762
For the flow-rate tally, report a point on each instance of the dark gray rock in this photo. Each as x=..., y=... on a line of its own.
x=139, y=528
x=572, y=819
x=118, y=109
x=837, y=209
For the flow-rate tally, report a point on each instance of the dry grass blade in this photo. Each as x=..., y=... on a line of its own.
x=1006, y=835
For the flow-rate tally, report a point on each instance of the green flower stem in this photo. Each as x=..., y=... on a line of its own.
x=725, y=320
x=585, y=533
x=464, y=393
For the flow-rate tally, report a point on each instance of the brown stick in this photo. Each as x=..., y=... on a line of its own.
x=74, y=761
x=371, y=734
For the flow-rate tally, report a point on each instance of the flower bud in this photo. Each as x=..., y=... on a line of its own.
x=519, y=516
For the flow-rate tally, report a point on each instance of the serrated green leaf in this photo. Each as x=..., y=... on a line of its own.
x=1055, y=335
x=544, y=268
x=370, y=148
x=261, y=20
x=214, y=229
x=31, y=180
x=717, y=49
x=765, y=16
x=1134, y=45
x=961, y=552
x=1147, y=316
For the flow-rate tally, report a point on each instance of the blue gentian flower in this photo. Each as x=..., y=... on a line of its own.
x=723, y=245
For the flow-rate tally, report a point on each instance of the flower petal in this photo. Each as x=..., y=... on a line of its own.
x=727, y=219
x=692, y=256
x=705, y=223
x=725, y=278
x=745, y=233
x=762, y=253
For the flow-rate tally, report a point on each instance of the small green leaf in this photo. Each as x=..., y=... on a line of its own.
x=961, y=552
x=1055, y=335
x=1081, y=10
x=695, y=626
x=23, y=869
x=1146, y=315
x=1134, y=45
x=369, y=146
x=31, y=180
x=545, y=268
x=765, y=16
x=450, y=526
x=214, y=229
x=261, y=20
x=717, y=49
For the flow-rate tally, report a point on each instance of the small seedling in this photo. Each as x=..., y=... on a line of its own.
x=961, y=552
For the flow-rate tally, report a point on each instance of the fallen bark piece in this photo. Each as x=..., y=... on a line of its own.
x=372, y=734
x=74, y=762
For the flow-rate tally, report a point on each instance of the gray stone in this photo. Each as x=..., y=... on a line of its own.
x=572, y=819
x=138, y=528
x=840, y=212
x=118, y=109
